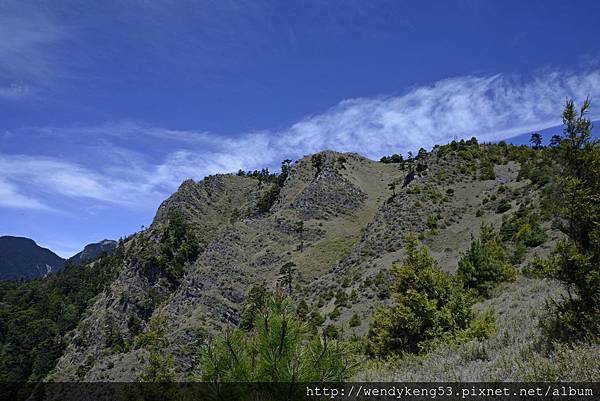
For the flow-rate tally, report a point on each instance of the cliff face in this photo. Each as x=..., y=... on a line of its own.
x=336, y=218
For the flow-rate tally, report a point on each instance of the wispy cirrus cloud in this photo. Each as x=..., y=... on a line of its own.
x=490, y=107
x=10, y=197
x=24, y=42
x=27, y=62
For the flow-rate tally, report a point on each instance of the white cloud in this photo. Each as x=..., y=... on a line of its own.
x=10, y=197
x=490, y=108
x=71, y=180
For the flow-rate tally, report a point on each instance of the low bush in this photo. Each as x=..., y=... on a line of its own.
x=485, y=263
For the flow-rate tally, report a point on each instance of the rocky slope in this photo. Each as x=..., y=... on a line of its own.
x=336, y=217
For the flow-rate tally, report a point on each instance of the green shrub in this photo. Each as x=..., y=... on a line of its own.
x=432, y=221
x=268, y=198
x=523, y=226
x=429, y=305
x=354, y=321
x=485, y=263
x=155, y=336
x=503, y=206
x=254, y=303
x=540, y=268
x=341, y=298
x=331, y=332
x=486, y=171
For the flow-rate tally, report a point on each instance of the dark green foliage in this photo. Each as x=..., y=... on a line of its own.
x=578, y=258
x=540, y=268
x=503, y=206
x=486, y=263
x=536, y=140
x=270, y=196
x=85, y=367
x=279, y=349
x=354, y=321
x=523, y=227
x=536, y=168
x=432, y=220
x=154, y=338
x=395, y=158
x=286, y=276
x=317, y=163
x=35, y=315
x=486, y=171
x=335, y=314
x=429, y=306
x=555, y=141
x=302, y=310
x=255, y=301
x=179, y=246
x=268, y=199
x=285, y=172
x=161, y=367
x=392, y=187
x=261, y=175
x=331, y=332
x=316, y=320
x=341, y=298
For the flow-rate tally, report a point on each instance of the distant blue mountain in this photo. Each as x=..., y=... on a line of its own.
x=92, y=251
x=547, y=133
x=22, y=258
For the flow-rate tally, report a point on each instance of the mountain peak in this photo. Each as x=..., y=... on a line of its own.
x=22, y=258
x=92, y=251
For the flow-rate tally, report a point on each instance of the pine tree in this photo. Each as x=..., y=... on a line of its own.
x=392, y=187
x=429, y=306
x=578, y=258
x=278, y=349
x=286, y=274
x=255, y=301
x=536, y=140
x=485, y=263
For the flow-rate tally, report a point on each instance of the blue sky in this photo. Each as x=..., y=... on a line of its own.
x=106, y=106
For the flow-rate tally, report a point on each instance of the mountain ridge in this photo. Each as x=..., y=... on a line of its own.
x=339, y=223
x=353, y=228
x=23, y=258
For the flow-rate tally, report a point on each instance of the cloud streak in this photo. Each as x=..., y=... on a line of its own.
x=10, y=197
x=24, y=41
x=490, y=107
